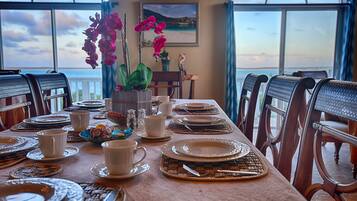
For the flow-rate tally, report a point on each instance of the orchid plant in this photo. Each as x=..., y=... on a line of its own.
x=107, y=27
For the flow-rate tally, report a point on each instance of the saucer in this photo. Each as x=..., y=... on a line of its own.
x=143, y=135
x=100, y=170
x=37, y=155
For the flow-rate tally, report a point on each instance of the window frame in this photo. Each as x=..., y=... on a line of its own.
x=284, y=8
x=52, y=7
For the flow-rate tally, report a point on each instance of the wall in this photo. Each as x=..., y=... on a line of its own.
x=207, y=60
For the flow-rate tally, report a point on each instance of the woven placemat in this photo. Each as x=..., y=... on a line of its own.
x=35, y=170
x=96, y=192
x=9, y=160
x=251, y=162
x=198, y=112
x=24, y=127
x=213, y=130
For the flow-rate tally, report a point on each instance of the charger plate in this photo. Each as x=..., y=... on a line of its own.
x=251, y=162
x=29, y=144
x=8, y=142
x=35, y=170
x=170, y=151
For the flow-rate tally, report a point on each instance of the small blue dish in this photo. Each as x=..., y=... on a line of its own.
x=117, y=134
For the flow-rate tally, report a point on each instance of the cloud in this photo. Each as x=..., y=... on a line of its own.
x=251, y=29
x=71, y=44
x=40, y=23
x=13, y=38
x=34, y=50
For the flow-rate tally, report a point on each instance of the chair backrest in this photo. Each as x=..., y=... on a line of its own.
x=9, y=72
x=334, y=97
x=246, y=112
x=17, y=86
x=320, y=74
x=289, y=91
x=172, y=80
x=43, y=86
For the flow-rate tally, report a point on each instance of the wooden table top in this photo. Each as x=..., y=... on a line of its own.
x=153, y=185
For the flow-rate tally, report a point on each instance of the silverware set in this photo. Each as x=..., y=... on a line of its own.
x=197, y=174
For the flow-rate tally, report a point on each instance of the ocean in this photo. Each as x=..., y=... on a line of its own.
x=71, y=73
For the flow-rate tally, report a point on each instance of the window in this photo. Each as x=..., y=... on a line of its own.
x=38, y=38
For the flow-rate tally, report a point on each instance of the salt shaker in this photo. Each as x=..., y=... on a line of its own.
x=141, y=117
x=131, y=119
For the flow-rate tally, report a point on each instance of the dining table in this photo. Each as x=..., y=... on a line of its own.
x=154, y=185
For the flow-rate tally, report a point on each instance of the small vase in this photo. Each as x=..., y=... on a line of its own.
x=165, y=64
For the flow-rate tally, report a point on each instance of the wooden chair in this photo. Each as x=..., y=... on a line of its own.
x=289, y=90
x=43, y=86
x=172, y=80
x=246, y=115
x=9, y=72
x=333, y=121
x=16, y=87
x=334, y=97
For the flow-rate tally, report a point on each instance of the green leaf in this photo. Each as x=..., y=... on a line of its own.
x=139, y=79
x=122, y=75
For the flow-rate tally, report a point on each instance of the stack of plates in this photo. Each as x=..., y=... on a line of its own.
x=40, y=189
x=53, y=120
x=92, y=104
x=205, y=150
x=195, y=107
x=199, y=121
x=9, y=145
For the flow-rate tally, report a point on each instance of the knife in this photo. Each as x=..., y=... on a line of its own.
x=190, y=170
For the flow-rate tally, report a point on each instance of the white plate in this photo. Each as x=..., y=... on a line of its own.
x=170, y=151
x=31, y=189
x=90, y=104
x=8, y=142
x=31, y=122
x=181, y=121
x=53, y=118
x=29, y=143
x=37, y=155
x=144, y=135
x=201, y=119
x=100, y=170
x=208, y=148
x=188, y=107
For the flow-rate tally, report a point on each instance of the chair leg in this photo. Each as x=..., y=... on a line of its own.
x=337, y=151
x=354, y=171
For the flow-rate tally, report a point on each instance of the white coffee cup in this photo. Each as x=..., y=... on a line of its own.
x=165, y=108
x=155, y=125
x=163, y=99
x=108, y=104
x=119, y=156
x=52, y=142
x=79, y=120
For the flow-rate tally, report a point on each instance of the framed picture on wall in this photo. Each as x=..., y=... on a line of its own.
x=181, y=22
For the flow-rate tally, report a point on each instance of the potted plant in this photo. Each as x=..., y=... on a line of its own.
x=132, y=87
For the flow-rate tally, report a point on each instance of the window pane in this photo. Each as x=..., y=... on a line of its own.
x=257, y=39
x=286, y=1
x=88, y=1
x=27, y=39
x=85, y=82
x=249, y=1
x=324, y=1
x=52, y=1
x=310, y=40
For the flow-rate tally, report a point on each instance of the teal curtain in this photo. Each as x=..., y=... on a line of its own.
x=231, y=85
x=345, y=71
x=108, y=72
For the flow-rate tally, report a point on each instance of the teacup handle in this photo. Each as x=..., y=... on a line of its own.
x=53, y=145
x=142, y=158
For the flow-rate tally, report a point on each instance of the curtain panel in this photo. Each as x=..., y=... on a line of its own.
x=108, y=72
x=345, y=70
x=231, y=101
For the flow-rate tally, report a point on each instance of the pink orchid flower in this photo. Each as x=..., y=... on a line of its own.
x=160, y=27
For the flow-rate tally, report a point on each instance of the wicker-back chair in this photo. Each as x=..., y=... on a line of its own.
x=289, y=90
x=334, y=97
x=247, y=104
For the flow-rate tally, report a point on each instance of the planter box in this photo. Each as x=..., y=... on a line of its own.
x=124, y=100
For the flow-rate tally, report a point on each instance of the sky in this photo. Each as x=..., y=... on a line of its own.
x=173, y=10
x=310, y=39
x=27, y=38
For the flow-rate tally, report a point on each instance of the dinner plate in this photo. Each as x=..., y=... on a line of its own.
x=74, y=190
x=143, y=134
x=188, y=107
x=33, y=123
x=53, y=118
x=7, y=142
x=37, y=155
x=100, y=170
x=29, y=143
x=31, y=189
x=201, y=119
x=208, y=148
x=170, y=151
x=183, y=121
x=90, y=104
